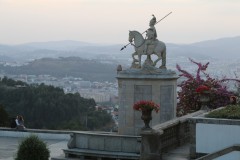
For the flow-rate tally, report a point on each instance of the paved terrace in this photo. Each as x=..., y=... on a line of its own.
x=56, y=141
x=11, y=138
x=171, y=136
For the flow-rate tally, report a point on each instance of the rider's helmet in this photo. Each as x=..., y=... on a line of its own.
x=153, y=20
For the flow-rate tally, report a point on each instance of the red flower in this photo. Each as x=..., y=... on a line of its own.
x=202, y=88
x=146, y=105
x=233, y=100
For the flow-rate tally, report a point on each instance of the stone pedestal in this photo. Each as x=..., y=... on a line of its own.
x=158, y=85
x=151, y=145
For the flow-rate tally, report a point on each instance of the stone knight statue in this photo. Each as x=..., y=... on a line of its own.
x=147, y=47
x=151, y=35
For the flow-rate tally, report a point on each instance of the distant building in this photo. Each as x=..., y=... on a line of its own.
x=97, y=96
x=84, y=84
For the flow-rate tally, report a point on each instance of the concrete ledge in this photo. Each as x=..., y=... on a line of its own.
x=152, y=73
x=44, y=134
x=220, y=121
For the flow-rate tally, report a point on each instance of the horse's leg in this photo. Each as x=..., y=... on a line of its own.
x=155, y=62
x=158, y=58
x=163, y=66
x=133, y=56
x=139, y=60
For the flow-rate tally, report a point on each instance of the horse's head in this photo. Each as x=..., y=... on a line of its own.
x=131, y=36
x=136, y=37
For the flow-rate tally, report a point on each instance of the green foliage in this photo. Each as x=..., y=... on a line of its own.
x=12, y=83
x=48, y=107
x=229, y=112
x=97, y=119
x=72, y=125
x=32, y=148
x=3, y=117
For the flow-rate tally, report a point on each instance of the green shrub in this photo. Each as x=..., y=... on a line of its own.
x=229, y=112
x=32, y=148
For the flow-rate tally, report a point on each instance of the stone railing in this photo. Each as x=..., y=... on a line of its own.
x=103, y=145
x=166, y=136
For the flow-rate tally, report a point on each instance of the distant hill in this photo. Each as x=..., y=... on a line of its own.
x=71, y=66
x=224, y=48
x=219, y=49
x=66, y=45
x=98, y=61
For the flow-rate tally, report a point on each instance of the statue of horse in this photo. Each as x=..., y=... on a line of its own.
x=159, y=49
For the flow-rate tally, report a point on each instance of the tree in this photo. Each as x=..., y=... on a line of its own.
x=3, y=117
x=189, y=98
x=49, y=107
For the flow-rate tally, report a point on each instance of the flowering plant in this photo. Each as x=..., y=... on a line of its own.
x=188, y=95
x=202, y=88
x=146, y=105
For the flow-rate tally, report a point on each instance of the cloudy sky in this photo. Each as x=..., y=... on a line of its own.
x=108, y=21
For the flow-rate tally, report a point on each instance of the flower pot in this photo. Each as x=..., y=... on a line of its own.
x=204, y=98
x=146, y=117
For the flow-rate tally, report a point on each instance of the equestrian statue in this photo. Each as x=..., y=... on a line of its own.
x=147, y=46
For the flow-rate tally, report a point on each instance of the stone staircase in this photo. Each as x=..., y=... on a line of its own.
x=179, y=153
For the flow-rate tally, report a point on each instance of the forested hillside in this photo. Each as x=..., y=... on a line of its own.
x=61, y=67
x=49, y=107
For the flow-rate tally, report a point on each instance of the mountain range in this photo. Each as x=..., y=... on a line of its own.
x=98, y=62
x=224, y=48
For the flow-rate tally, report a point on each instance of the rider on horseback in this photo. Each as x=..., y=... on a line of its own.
x=151, y=35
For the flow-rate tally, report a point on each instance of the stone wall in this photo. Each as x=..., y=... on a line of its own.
x=209, y=135
x=103, y=145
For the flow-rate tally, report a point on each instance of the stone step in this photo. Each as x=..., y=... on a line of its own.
x=100, y=155
x=64, y=158
x=179, y=153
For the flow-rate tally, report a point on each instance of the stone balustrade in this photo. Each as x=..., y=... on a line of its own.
x=166, y=136
x=103, y=145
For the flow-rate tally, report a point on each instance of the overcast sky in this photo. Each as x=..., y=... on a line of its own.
x=108, y=21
